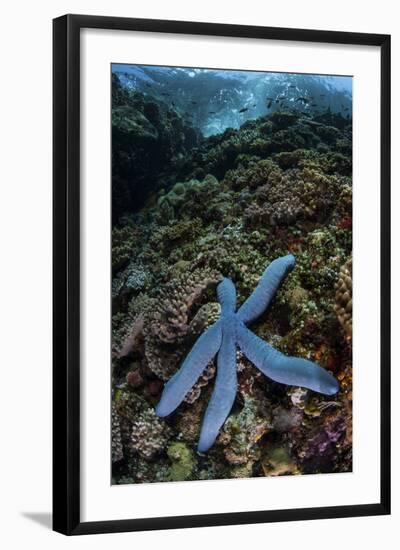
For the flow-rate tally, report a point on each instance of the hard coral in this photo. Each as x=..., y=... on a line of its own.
x=149, y=435
x=344, y=305
x=182, y=462
x=169, y=322
x=222, y=338
x=116, y=442
x=273, y=190
x=144, y=433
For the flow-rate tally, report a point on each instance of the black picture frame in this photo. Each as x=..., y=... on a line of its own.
x=66, y=273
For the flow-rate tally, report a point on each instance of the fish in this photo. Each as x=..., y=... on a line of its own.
x=255, y=105
x=211, y=112
x=269, y=104
x=148, y=85
x=243, y=110
x=193, y=102
x=292, y=86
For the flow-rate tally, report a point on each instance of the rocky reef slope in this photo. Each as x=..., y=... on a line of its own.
x=227, y=206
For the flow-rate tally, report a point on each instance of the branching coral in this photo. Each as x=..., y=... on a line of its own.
x=143, y=433
x=148, y=434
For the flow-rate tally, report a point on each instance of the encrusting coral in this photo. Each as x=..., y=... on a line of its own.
x=182, y=462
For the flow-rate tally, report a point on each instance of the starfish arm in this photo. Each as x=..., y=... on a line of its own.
x=203, y=351
x=224, y=392
x=226, y=292
x=292, y=371
x=262, y=295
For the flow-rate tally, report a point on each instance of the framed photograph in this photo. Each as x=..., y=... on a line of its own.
x=221, y=274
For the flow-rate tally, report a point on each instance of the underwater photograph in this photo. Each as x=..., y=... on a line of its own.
x=231, y=274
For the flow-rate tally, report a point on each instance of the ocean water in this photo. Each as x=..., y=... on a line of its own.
x=212, y=100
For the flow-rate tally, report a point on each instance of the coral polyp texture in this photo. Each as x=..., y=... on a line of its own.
x=221, y=342
x=223, y=337
x=344, y=302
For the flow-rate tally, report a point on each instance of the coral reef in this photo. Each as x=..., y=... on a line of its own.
x=148, y=435
x=344, y=305
x=189, y=211
x=147, y=138
x=223, y=337
x=240, y=435
x=141, y=432
x=116, y=443
x=182, y=462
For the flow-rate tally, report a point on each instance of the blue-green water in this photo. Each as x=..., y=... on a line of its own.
x=212, y=100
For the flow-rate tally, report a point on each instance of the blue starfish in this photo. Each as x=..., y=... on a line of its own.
x=222, y=338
